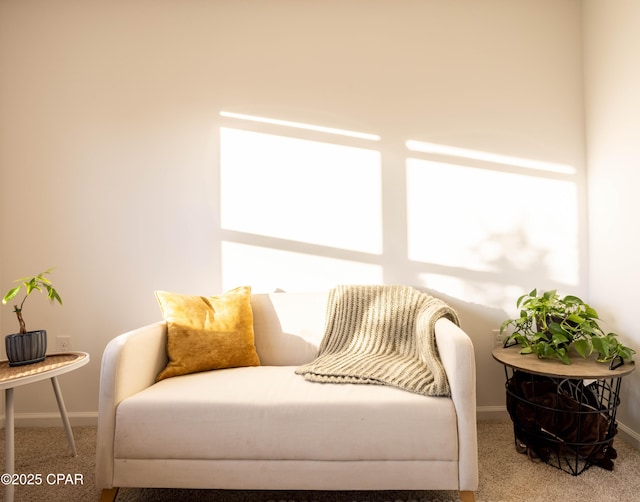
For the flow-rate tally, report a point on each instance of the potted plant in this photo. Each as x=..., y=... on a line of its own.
x=549, y=326
x=26, y=347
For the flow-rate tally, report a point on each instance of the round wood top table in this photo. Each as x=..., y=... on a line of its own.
x=15, y=376
x=579, y=368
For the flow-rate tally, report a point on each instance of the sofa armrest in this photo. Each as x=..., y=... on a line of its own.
x=130, y=363
x=457, y=356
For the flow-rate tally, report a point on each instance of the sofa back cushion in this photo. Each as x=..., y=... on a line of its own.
x=288, y=327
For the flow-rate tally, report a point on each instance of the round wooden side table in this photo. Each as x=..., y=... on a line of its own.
x=563, y=414
x=15, y=376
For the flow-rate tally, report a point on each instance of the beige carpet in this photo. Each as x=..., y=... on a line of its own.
x=505, y=476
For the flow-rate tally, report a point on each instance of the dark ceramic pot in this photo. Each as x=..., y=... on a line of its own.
x=27, y=348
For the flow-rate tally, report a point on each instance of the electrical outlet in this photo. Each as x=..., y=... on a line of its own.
x=63, y=343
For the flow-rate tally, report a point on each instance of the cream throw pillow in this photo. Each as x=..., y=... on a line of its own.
x=207, y=333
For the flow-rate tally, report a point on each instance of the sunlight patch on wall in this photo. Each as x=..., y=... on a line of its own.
x=490, y=221
x=464, y=153
x=301, y=190
x=300, y=125
x=268, y=269
x=481, y=292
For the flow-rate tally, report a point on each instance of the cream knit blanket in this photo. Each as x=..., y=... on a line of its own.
x=382, y=335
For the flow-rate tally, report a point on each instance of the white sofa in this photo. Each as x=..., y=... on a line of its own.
x=267, y=428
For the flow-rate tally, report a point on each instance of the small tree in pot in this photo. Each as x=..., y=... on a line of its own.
x=549, y=326
x=27, y=347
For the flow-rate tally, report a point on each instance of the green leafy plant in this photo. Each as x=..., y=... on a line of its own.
x=549, y=326
x=36, y=283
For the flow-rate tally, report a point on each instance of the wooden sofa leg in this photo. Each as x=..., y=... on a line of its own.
x=109, y=494
x=467, y=496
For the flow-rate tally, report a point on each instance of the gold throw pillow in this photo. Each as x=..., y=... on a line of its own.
x=207, y=333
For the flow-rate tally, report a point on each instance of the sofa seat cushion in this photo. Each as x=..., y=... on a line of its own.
x=269, y=412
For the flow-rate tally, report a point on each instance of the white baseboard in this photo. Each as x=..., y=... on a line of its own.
x=629, y=435
x=488, y=413
x=78, y=419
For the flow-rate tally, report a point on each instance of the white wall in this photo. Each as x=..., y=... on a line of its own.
x=612, y=79
x=110, y=165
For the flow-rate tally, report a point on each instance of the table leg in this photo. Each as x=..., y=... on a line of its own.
x=63, y=415
x=8, y=442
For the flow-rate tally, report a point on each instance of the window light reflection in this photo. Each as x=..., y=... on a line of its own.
x=491, y=221
x=300, y=125
x=452, y=151
x=301, y=190
x=268, y=269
